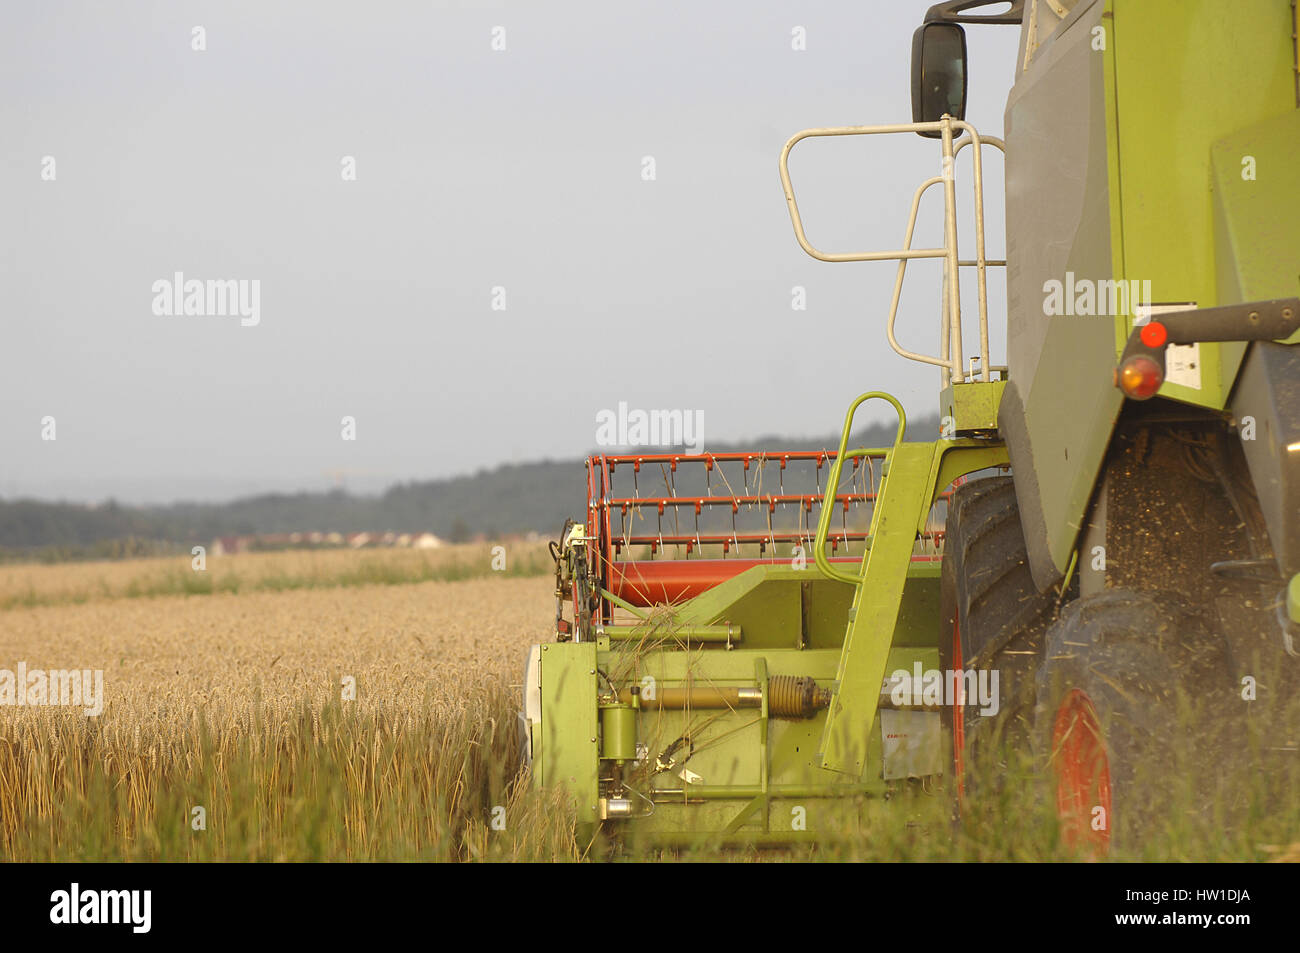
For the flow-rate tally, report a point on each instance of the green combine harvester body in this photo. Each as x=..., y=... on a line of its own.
x=1165, y=161
x=762, y=684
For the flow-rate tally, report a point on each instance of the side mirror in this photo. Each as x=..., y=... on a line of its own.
x=938, y=73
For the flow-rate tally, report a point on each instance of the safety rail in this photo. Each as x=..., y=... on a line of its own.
x=823, y=524
x=950, y=328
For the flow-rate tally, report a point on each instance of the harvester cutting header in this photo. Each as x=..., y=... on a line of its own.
x=1110, y=517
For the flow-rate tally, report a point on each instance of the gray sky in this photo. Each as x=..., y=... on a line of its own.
x=476, y=169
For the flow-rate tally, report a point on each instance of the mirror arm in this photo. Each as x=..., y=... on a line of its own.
x=952, y=11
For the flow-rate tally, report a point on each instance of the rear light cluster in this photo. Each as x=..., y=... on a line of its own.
x=1140, y=375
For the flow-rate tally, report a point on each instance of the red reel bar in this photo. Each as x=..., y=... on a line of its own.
x=663, y=579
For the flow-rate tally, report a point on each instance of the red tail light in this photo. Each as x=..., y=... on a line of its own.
x=1154, y=334
x=1140, y=377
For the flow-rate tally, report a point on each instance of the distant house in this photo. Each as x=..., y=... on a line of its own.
x=225, y=545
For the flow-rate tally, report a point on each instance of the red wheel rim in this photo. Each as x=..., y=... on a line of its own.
x=958, y=715
x=1082, y=775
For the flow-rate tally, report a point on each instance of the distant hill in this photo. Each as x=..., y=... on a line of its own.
x=511, y=498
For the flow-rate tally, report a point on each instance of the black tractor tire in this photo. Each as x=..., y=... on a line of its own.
x=1136, y=711
x=993, y=618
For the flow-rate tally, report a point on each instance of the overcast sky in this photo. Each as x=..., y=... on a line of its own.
x=476, y=169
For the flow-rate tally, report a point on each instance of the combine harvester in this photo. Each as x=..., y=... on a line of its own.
x=1109, y=522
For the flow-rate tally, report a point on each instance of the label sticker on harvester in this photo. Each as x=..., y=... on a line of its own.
x=911, y=743
x=1183, y=365
x=1182, y=361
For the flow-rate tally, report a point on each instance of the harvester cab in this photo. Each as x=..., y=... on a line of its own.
x=750, y=647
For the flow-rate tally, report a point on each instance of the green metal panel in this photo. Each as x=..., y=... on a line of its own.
x=783, y=607
x=1257, y=211
x=1189, y=73
x=569, y=751
x=767, y=615
x=1060, y=404
x=920, y=606
x=971, y=406
x=1109, y=155
x=825, y=607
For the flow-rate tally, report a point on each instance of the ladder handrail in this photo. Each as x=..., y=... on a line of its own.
x=950, y=328
x=833, y=481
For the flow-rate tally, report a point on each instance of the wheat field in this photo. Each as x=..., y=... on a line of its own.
x=27, y=585
x=235, y=703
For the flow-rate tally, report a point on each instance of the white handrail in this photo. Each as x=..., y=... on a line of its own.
x=950, y=327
